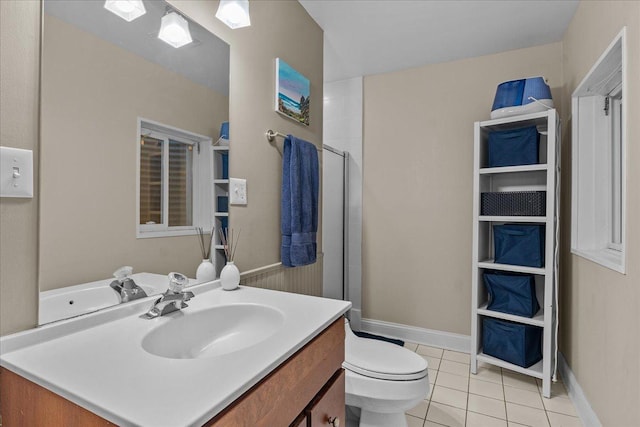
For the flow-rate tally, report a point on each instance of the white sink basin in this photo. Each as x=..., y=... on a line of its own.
x=213, y=332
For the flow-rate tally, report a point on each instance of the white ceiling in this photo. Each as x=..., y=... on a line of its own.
x=205, y=61
x=363, y=37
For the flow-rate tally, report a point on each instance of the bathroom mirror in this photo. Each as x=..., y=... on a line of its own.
x=101, y=76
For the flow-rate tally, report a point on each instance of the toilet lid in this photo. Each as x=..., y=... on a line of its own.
x=383, y=360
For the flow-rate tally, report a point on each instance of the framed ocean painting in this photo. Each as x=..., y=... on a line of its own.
x=292, y=93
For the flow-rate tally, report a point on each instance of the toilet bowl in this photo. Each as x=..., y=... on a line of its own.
x=383, y=380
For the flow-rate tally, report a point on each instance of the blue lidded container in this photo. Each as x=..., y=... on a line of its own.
x=224, y=130
x=521, y=96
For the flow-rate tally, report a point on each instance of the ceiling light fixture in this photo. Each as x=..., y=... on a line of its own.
x=234, y=13
x=174, y=30
x=126, y=9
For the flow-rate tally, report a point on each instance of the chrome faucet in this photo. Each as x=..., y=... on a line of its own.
x=125, y=287
x=173, y=299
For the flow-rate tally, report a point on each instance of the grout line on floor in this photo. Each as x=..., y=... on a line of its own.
x=468, y=388
x=504, y=394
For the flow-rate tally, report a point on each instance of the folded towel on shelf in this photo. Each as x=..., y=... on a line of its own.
x=299, y=204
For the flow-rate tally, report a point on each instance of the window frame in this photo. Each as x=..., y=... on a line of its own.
x=616, y=159
x=593, y=166
x=201, y=180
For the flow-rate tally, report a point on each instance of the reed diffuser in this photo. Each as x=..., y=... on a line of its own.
x=230, y=275
x=230, y=242
x=205, y=242
x=206, y=272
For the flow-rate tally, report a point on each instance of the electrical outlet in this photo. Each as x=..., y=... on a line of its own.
x=237, y=191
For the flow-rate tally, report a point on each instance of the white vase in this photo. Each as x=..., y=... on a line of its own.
x=230, y=276
x=206, y=272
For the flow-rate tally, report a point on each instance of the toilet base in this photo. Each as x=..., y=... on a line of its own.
x=357, y=417
x=376, y=419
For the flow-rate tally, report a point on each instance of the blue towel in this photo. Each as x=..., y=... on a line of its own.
x=299, y=209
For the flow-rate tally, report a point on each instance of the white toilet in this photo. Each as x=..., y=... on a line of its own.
x=383, y=380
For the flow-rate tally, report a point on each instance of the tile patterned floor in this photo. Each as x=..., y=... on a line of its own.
x=492, y=397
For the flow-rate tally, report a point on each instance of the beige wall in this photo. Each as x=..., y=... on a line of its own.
x=278, y=29
x=600, y=308
x=92, y=94
x=416, y=271
x=253, y=51
x=19, y=60
x=417, y=213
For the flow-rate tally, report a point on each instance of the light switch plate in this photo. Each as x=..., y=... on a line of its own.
x=237, y=191
x=16, y=172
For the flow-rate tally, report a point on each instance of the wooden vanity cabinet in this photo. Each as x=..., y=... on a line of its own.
x=26, y=404
x=286, y=395
x=303, y=389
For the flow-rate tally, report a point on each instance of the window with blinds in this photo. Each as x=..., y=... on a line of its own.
x=151, y=180
x=167, y=192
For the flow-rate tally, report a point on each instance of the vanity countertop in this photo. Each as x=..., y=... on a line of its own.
x=97, y=361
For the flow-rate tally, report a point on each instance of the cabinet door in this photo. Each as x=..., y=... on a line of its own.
x=328, y=407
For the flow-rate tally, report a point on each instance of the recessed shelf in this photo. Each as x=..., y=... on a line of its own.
x=534, y=371
x=485, y=218
x=537, y=320
x=220, y=151
x=491, y=265
x=512, y=169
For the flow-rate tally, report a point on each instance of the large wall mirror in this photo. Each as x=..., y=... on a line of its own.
x=101, y=77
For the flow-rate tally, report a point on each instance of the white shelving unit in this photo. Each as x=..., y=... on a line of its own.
x=542, y=176
x=220, y=188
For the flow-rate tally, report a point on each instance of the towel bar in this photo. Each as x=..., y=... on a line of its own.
x=271, y=136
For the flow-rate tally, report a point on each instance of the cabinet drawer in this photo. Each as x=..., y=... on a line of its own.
x=329, y=404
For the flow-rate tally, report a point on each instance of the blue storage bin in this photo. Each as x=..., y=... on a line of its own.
x=513, y=147
x=224, y=223
x=519, y=244
x=512, y=342
x=512, y=293
x=225, y=165
x=223, y=204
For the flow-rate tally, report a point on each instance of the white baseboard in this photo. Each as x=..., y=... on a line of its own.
x=414, y=334
x=355, y=319
x=462, y=343
x=585, y=412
